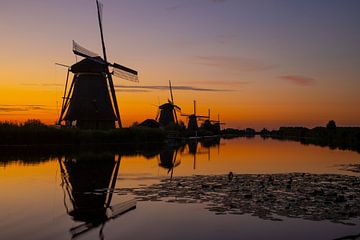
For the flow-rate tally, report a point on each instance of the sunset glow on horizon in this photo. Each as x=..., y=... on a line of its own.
x=256, y=63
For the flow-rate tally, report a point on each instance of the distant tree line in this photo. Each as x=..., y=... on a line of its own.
x=345, y=138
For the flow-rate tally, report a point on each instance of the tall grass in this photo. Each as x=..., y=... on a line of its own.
x=33, y=132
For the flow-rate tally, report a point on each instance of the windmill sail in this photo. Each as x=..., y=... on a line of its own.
x=125, y=73
x=100, y=7
x=81, y=51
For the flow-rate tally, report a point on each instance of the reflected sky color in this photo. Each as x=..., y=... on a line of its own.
x=40, y=186
x=286, y=63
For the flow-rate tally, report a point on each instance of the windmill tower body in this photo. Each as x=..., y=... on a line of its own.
x=90, y=105
x=166, y=114
x=193, y=124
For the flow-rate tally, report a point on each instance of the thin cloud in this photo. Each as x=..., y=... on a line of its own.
x=298, y=80
x=185, y=4
x=130, y=90
x=42, y=84
x=220, y=82
x=165, y=87
x=226, y=38
x=233, y=63
x=20, y=108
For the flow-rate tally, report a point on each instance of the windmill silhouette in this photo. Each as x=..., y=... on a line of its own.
x=193, y=119
x=82, y=176
x=212, y=125
x=169, y=160
x=167, y=113
x=90, y=102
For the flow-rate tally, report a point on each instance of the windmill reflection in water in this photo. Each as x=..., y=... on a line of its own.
x=88, y=181
x=204, y=149
x=171, y=156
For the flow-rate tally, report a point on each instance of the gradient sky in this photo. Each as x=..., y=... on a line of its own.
x=259, y=64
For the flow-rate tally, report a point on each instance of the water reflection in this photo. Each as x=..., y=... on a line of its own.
x=171, y=156
x=88, y=180
x=85, y=203
x=169, y=160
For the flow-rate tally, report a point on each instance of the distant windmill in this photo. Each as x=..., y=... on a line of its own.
x=213, y=125
x=90, y=102
x=167, y=113
x=217, y=123
x=193, y=119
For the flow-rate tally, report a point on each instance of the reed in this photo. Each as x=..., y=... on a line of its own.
x=33, y=132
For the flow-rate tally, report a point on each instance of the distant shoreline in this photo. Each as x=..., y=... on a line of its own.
x=37, y=134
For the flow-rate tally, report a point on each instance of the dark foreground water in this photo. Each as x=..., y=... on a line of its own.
x=278, y=190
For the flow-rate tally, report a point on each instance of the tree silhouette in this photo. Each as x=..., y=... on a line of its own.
x=331, y=125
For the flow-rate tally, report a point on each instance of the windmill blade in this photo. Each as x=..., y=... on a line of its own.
x=83, y=52
x=206, y=117
x=171, y=93
x=125, y=69
x=125, y=73
x=173, y=162
x=62, y=65
x=176, y=118
x=157, y=115
x=100, y=9
x=177, y=108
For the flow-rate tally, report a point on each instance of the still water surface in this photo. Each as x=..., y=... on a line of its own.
x=65, y=197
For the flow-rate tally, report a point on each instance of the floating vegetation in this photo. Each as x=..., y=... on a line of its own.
x=351, y=167
x=297, y=195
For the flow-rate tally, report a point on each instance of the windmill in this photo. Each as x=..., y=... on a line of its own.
x=90, y=102
x=167, y=113
x=193, y=119
x=216, y=123
x=169, y=160
x=88, y=175
x=213, y=125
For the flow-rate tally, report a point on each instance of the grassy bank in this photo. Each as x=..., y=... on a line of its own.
x=35, y=133
x=332, y=136
x=345, y=138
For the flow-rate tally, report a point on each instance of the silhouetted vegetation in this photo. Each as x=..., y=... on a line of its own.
x=346, y=138
x=232, y=132
x=33, y=132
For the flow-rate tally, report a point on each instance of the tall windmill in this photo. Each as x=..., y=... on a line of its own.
x=91, y=102
x=89, y=173
x=167, y=113
x=193, y=119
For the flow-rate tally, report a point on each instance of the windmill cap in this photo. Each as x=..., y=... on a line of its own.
x=88, y=66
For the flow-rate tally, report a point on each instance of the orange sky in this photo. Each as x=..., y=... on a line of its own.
x=299, y=67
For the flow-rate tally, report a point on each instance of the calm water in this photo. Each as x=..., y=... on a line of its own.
x=63, y=197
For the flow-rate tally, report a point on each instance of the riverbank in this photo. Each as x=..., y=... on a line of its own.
x=344, y=138
x=35, y=133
